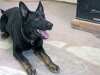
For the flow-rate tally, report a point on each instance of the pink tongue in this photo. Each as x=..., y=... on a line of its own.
x=44, y=34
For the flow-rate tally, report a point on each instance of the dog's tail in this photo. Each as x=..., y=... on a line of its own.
x=3, y=21
x=2, y=11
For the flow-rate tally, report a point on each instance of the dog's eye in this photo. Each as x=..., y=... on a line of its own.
x=37, y=18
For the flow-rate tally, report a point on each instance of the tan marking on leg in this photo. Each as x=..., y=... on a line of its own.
x=46, y=59
x=53, y=67
x=24, y=65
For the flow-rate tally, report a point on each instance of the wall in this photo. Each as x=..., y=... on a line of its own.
x=70, y=1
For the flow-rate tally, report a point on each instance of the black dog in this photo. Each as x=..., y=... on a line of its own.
x=26, y=29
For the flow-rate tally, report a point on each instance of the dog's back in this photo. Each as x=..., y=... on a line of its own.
x=9, y=20
x=11, y=11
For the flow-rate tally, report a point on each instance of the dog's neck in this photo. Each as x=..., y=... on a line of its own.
x=28, y=37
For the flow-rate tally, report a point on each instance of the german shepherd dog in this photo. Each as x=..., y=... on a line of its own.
x=27, y=29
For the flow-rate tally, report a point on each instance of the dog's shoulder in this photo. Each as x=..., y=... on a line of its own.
x=12, y=11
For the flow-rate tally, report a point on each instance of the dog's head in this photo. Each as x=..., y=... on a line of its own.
x=35, y=22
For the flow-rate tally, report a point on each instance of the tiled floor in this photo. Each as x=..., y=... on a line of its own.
x=76, y=52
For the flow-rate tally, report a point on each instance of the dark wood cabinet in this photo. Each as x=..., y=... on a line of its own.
x=88, y=10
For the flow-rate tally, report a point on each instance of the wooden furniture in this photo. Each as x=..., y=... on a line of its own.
x=87, y=16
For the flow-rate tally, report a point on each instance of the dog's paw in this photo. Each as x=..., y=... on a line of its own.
x=54, y=68
x=31, y=71
x=5, y=35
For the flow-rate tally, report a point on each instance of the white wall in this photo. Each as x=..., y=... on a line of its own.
x=70, y=1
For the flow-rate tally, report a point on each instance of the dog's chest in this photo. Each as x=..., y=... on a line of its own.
x=26, y=46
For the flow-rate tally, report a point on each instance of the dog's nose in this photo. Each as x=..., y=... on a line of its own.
x=49, y=25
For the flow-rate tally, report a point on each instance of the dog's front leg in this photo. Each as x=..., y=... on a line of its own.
x=17, y=52
x=43, y=56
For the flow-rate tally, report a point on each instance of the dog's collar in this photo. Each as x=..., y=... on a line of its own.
x=32, y=42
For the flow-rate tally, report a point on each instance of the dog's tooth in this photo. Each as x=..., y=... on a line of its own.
x=37, y=30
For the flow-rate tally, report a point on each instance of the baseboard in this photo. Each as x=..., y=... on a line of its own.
x=86, y=26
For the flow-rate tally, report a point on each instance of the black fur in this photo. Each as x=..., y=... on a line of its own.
x=2, y=11
x=23, y=27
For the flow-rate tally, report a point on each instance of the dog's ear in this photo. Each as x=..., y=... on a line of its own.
x=40, y=7
x=23, y=10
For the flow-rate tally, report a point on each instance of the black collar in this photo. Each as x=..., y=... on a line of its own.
x=31, y=41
